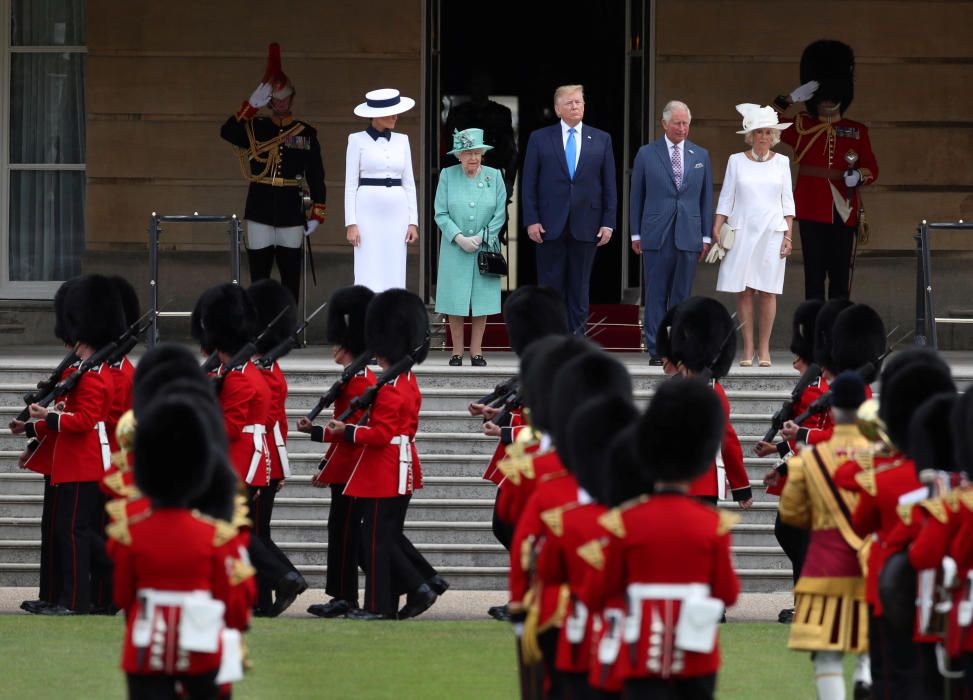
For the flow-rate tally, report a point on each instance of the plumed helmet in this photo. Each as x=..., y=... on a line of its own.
x=703, y=336
x=93, y=311
x=346, y=317
x=173, y=459
x=931, y=433
x=580, y=379
x=274, y=74
x=802, y=329
x=61, y=330
x=396, y=323
x=907, y=388
x=269, y=298
x=593, y=425
x=681, y=430
x=130, y=300
x=663, y=336
x=541, y=362
x=832, y=64
x=961, y=421
x=533, y=312
x=160, y=366
x=858, y=341
x=227, y=319
x=823, y=326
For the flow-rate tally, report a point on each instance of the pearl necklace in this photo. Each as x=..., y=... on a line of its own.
x=757, y=158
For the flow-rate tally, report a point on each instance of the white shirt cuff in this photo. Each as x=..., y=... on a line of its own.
x=636, y=238
x=707, y=239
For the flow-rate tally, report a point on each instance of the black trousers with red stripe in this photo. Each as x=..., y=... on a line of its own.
x=344, y=535
x=274, y=562
x=50, y=583
x=77, y=518
x=379, y=547
x=412, y=568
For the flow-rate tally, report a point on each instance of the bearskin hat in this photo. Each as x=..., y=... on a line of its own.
x=906, y=389
x=663, y=336
x=832, y=64
x=346, y=318
x=93, y=311
x=165, y=363
x=823, y=327
x=580, y=379
x=173, y=459
x=269, y=298
x=196, y=328
x=61, y=330
x=703, y=336
x=931, y=433
x=961, y=421
x=848, y=391
x=130, y=300
x=593, y=424
x=541, y=362
x=396, y=323
x=681, y=430
x=533, y=312
x=627, y=478
x=858, y=341
x=227, y=319
x=219, y=498
x=802, y=329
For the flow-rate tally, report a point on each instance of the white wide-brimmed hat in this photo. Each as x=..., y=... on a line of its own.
x=384, y=103
x=757, y=117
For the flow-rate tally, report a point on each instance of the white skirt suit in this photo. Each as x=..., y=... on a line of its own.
x=755, y=198
x=382, y=214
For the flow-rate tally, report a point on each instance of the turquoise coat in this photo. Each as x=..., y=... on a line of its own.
x=468, y=206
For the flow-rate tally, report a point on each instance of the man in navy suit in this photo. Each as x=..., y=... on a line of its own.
x=671, y=213
x=569, y=201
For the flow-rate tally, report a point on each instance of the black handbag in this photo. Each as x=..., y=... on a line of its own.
x=491, y=262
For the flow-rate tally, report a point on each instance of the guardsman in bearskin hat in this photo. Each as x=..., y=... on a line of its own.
x=835, y=159
x=38, y=457
x=227, y=321
x=122, y=371
x=396, y=329
x=346, y=333
x=93, y=313
x=881, y=480
x=673, y=565
x=703, y=341
x=280, y=156
x=831, y=578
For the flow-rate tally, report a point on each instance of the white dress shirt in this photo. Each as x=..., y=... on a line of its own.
x=577, y=140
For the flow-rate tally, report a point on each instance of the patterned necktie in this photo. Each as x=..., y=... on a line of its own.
x=677, y=166
x=571, y=152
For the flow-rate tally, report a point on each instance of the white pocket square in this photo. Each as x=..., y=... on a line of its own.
x=698, y=165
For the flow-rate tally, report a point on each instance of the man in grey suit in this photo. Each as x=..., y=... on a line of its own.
x=671, y=216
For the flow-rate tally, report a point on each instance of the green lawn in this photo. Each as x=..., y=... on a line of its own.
x=310, y=658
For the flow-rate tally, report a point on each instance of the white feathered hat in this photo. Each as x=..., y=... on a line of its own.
x=757, y=117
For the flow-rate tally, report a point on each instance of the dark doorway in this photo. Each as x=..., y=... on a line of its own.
x=528, y=49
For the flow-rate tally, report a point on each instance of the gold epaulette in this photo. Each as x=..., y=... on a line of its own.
x=593, y=553
x=118, y=531
x=936, y=507
x=119, y=459
x=241, y=571
x=117, y=509
x=904, y=511
x=517, y=466
x=952, y=499
x=241, y=513
x=612, y=521
x=866, y=479
x=554, y=519
x=224, y=532
x=115, y=482
x=726, y=522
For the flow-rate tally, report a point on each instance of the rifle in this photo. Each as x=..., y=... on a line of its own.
x=212, y=363
x=512, y=402
x=335, y=391
x=103, y=354
x=244, y=354
x=268, y=359
x=45, y=385
x=786, y=411
x=126, y=346
x=501, y=390
x=365, y=400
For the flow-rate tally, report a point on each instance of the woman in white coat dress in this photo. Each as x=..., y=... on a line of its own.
x=381, y=215
x=756, y=201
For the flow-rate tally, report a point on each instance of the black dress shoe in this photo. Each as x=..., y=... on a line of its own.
x=786, y=616
x=456, y=361
x=34, y=607
x=362, y=614
x=108, y=610
x=478, y=361
x=499, y=612
x=288, y=588
x=655, y=361
x=333, y=608
x=438, y=584
x=417, y=602
x=57, y=611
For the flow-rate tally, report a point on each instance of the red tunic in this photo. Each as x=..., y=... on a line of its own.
x=732, y=455
x=376, y=474
x=276, y=425
x=245, y=400
x=513, y=496
x=670, y=539
x=341, y=457
x=81, y=452
x=820, y=420
x=508, y=435
x=122, y=373
x=42, y=458
x=819, y=151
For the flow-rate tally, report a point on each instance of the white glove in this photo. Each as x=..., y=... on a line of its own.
x=467, y=243
x=310, y=226
x=261, y=96
x=715, y=254
x=804, y=92
x=852, y=177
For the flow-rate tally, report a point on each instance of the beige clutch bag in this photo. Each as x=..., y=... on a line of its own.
x=727, y=236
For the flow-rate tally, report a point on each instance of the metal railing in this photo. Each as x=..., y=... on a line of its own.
x=235, y=231
x=926, y=319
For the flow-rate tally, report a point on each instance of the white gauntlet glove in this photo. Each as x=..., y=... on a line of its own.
x=805, y=92
x=261, y=96
x=467, y=243
x=310, y=226
x=852, y=178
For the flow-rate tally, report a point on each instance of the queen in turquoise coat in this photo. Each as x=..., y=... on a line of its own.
x=471, y=206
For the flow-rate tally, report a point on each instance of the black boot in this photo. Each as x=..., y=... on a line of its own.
x=417, y=602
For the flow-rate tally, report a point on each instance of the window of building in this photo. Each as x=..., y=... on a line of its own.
x=42, y=147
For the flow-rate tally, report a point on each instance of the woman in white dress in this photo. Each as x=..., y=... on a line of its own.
x=381, y=215
x=757, y=202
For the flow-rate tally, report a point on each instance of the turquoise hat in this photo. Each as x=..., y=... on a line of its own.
x=468, y=140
